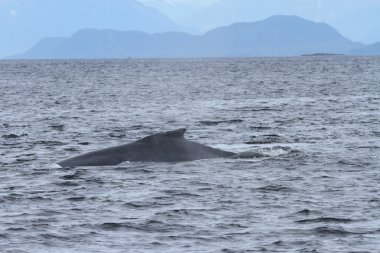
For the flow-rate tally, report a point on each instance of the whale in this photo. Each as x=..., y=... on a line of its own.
x=170, y=146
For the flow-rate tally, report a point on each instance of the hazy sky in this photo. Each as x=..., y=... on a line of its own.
x=196, y=2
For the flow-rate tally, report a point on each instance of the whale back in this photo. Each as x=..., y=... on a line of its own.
x=172, y=146
x=168, y=146
x=163, y=136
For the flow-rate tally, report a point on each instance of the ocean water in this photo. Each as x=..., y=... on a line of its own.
x=306, y=178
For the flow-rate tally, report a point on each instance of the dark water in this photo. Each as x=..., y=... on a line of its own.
x=307, y=180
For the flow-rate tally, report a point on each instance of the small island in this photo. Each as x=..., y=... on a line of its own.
x=323, y=54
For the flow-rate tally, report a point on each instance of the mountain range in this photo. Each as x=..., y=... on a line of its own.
x=24, y=22
x=373, y=49
x=275, y=36
x=358, y=20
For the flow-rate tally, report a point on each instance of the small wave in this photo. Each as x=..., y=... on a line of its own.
x=114, y=226
x=326, y=220
x=258, y=128
x=76, y=175
x=75, y=199
x=261, y=109
x=67, y=183
x=39, y=198
x=143, y=205
x=57, y=127
x=22, y=160
x=256, y=109
x=53, y=236
x=274, y=188
x=266, y=139
x=148, y=226
x=217, y=122
x=16, y=229
x=133, y=170
x=267, y=152
x=139, y=205
x=180, y=193
x=72, y=149
x=14, y=136
x=117, y=135
x=305, y=211
x=249, y=155
x=54, y=166
x=231, y=226
x=334, y=231
x=51, y=143
x=11, y=197
x=136, y=127
x=179, y=212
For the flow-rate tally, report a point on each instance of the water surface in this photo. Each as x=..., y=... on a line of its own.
x=306, y=128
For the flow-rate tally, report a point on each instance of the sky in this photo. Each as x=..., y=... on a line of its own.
x=193, y=2
x=24, y=22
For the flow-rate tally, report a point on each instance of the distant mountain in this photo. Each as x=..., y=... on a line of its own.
x=358, y=20
x=373, y=49
x=275, y=36
x=24, y=22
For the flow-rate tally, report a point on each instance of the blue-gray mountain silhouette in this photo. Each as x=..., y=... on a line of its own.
x=275, y=36
x=358, y=20
x=25, y=22
x=373, y=49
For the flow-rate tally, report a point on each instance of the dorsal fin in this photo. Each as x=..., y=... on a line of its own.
x=179, y=133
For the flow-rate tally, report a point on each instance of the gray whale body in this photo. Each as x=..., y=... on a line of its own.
x=168, y=146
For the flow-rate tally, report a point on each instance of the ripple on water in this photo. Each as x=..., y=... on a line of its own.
x=326, y=220
x=148, y=226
